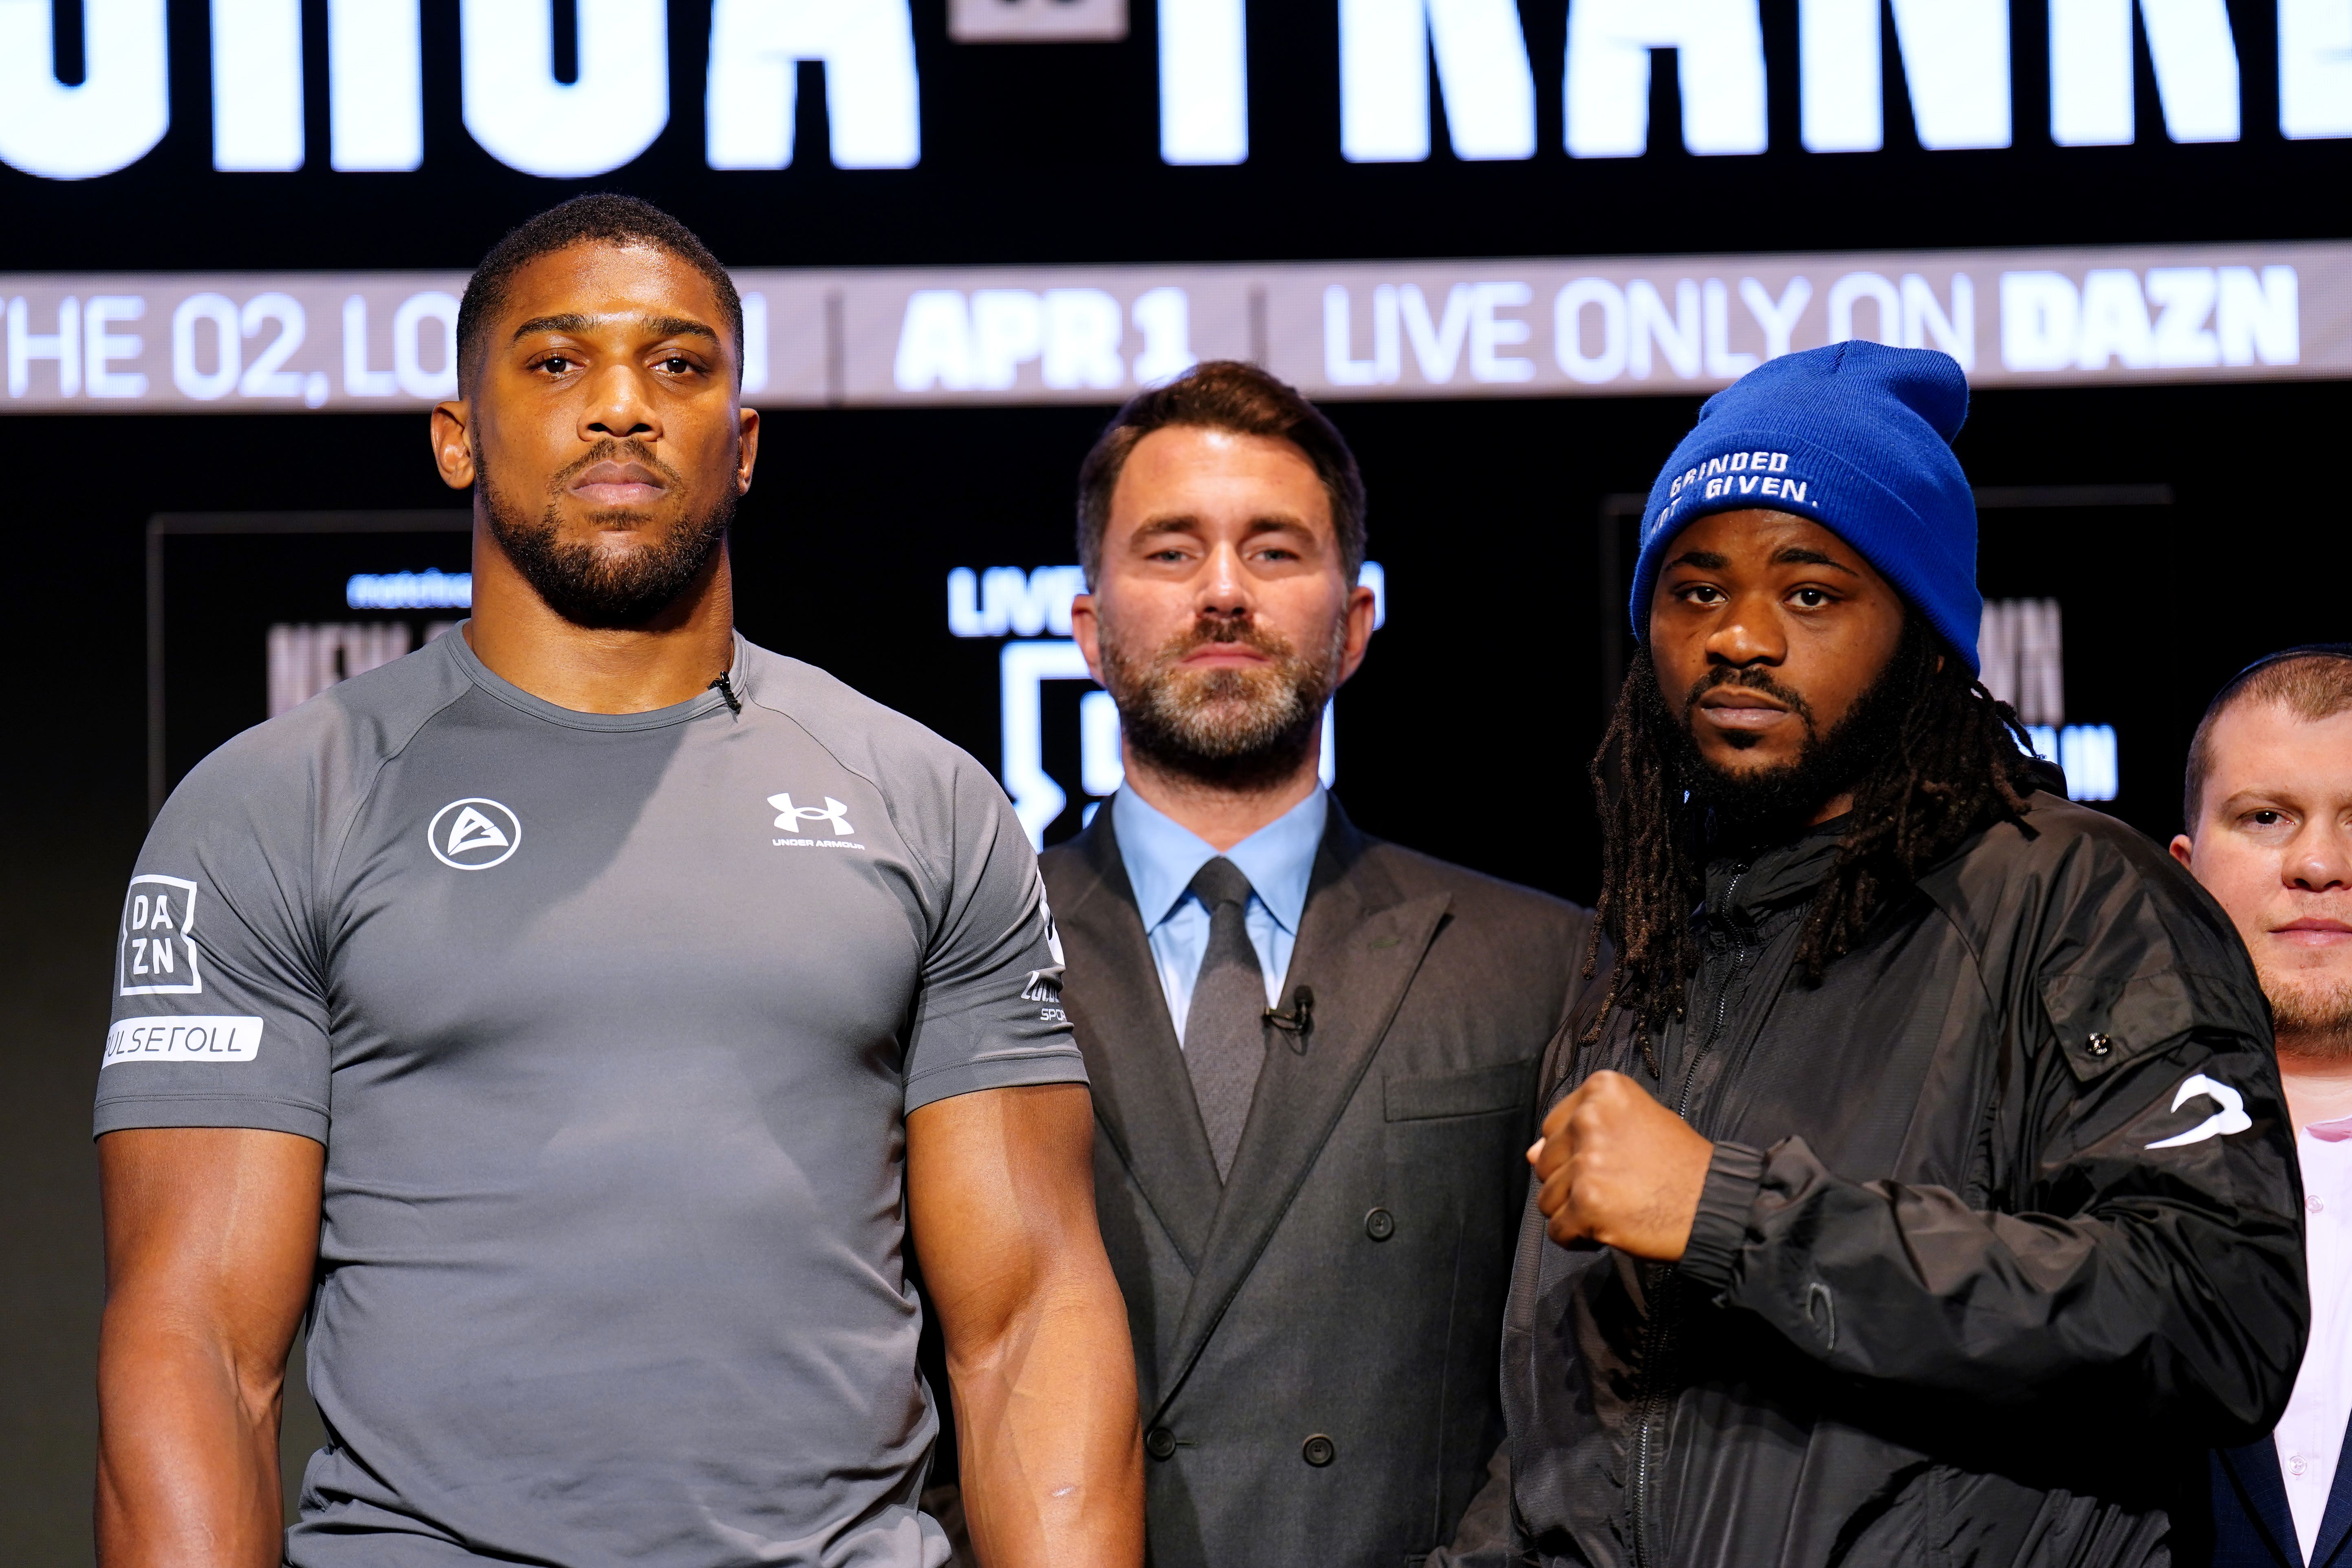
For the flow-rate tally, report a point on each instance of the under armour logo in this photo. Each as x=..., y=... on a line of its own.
x=2231, y=1118
x=790, y=817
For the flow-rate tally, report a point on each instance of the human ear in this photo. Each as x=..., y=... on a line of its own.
x=747, y=449
x=1088, y=633
x=453, y=447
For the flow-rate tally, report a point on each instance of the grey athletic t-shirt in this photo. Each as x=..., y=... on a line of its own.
x=610, y=1024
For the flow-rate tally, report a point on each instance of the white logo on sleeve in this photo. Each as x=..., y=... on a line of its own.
x=473, y=834
x=1045, y=985
x=158, y=954
x=2231, y=1118
x=1045, y=910
x=183, y=1039
x=832, y=814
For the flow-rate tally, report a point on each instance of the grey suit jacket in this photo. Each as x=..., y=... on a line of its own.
x=1316, y=1341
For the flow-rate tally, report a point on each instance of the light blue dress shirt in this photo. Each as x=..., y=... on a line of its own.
x=1162, y=857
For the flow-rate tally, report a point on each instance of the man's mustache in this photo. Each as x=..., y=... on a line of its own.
x=1750, y=679
x=1209, y=630
x=615, y=449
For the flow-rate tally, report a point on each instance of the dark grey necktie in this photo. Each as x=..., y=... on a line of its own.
x=1225, y=1031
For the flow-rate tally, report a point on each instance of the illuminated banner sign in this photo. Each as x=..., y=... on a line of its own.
x=569, y=92
x=125, y=343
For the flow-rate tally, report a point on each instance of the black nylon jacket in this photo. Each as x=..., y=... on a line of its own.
x=2002, y=1233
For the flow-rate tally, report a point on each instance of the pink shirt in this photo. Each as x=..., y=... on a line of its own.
x=2310, y=1436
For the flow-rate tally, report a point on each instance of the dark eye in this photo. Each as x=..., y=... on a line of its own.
x=677, y=364
x=1703, y=594
x=2265, y=817
x=555, y=364
x=1812, y=598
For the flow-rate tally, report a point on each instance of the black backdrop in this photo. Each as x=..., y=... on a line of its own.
x=1466, y=734
x=1050, y=154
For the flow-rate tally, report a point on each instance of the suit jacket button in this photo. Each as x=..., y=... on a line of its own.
x=1159, y=1443
x=1317, y=1451
x=1380, y=1224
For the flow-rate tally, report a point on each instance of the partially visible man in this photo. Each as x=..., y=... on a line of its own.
x=574, y=1021
x=2268, y=805
x=1312, y=1052
x=1920, y=1192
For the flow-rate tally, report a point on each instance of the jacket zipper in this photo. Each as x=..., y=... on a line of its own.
x=1652, y=1398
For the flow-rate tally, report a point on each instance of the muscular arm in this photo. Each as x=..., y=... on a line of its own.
x=212, y=1234
x=1001, y=1195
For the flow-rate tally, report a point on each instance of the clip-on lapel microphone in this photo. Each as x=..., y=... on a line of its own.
x=1299, y=1020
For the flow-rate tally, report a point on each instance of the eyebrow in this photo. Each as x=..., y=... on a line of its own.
x=2260, y=798
x=1798, y=555
x=1701, y=559
x=574, y=321
x=1185, y=523
x=1281, y=525
x=1182, y=524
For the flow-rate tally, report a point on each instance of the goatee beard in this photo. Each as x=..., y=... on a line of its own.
x=1761, y=807
x=1233, y=729
x=602, y=589
x=2312, y=1020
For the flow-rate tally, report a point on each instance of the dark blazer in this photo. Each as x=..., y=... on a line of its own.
x=1316, y=1341
x=2253, y=1528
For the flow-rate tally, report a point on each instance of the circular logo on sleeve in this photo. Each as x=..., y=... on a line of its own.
x=473, y=834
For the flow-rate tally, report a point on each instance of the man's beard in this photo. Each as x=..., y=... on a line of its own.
x=2311, y=1016
x=596, y=588
x=1755, y=806
x=1237, y=728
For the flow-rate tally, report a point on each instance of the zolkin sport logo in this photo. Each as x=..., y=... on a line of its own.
x=473, y=834
x=832, y=814
x=1045, y=985
x=158, y=955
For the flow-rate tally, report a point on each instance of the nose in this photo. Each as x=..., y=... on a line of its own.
x=617, y=408
x=1749, y=635
x=2320, y=860
x=1223, y=585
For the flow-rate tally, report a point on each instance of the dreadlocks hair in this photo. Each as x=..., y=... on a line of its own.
x=1960, y=763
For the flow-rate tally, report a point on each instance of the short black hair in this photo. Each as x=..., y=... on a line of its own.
x=1230, y=396
x=601, y=217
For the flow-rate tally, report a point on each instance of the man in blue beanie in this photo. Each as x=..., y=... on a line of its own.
x=1918, y=1189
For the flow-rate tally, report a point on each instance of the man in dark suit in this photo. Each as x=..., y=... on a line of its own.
x=2268, y=813
x=1312, y=1052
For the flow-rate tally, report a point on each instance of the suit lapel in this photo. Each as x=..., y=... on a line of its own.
x=2336, y=1523
x=2255, y=1466
x=1142, y=1095
x=1358, y=945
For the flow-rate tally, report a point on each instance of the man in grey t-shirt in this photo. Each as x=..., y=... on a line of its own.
x=577, y=1017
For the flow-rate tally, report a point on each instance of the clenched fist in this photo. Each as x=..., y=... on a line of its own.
x=1620, y=1168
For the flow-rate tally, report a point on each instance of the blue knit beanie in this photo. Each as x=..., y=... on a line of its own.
x=1856, y=436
